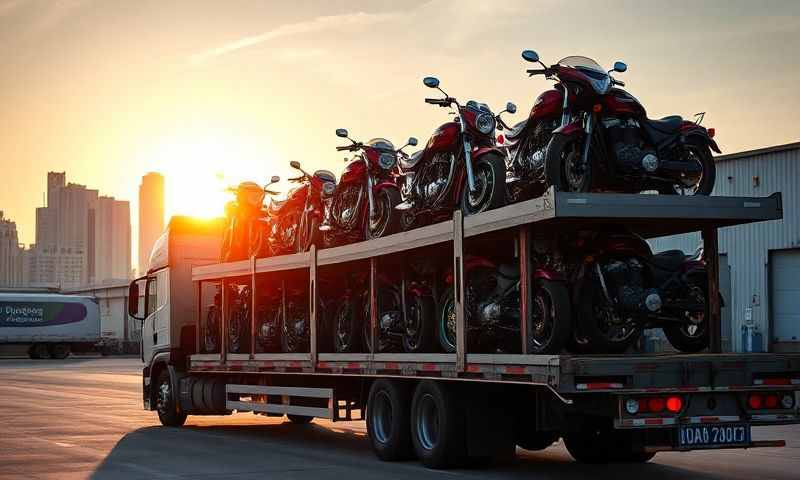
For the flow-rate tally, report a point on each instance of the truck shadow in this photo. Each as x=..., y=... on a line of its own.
x=320, y=451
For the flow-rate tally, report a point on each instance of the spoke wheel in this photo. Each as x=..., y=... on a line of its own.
x=386, y=219
x=490, y=189
x=447, y=322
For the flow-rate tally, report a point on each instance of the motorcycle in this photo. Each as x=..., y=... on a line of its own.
x=363, y=204
x=492, y=310
x=404, y=320
x=601, y=139
x=295, y=221
x=462, y=151
x=621, y=288
x=247, y=226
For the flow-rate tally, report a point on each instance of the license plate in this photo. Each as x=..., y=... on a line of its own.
x=713, y=436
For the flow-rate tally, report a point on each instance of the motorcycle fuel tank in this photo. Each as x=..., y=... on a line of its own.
x=443, y=138
x=620, y=102
x=548, y=104
x=353, y=172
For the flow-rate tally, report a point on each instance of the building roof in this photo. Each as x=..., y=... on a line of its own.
x=758, y=151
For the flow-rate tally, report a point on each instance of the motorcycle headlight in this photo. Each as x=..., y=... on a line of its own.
x=485, y=123
x=328, y=188
x=387, y=160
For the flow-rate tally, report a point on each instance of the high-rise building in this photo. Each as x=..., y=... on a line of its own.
x=151, y=216
x=11, y=254
x=81, y=237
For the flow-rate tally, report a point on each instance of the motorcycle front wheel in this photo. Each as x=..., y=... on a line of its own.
x=605, y=330
x=447, y=322
x=419, y=334
x=211, y=330
x=346, y=331
x=294, y=328
x=692, y=336
x=386, y=219
x=565, y=169
x=550, y=320
x=490, y=185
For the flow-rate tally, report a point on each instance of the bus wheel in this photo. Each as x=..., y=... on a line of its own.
x=388, y=420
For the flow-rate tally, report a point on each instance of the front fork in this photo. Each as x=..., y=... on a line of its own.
x=589, y=128
x=468, y=160
x=370, y=198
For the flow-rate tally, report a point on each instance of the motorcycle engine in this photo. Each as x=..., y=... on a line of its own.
x=625, y=281
x=535, y=149
x=625, y=138
x=434, y=179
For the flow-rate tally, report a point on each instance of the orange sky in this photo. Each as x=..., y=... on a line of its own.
x=108, y=90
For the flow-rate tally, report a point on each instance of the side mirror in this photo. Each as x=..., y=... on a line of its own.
x=511, y=108
x=275, y=179
x=295, y=164
x=530, y=56
x=341, y=132
x=133, y=299
x=431, y=82
x=620, y=67
x=412, y=141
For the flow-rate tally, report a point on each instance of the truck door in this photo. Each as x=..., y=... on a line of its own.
x=155, y=329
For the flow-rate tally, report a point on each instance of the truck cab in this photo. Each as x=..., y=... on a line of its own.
x=163, y=298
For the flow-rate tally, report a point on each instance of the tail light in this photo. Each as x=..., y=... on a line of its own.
x=672, y=404
x=501, y=139
x=770, y=401
x=655, y=404
x=712, y=132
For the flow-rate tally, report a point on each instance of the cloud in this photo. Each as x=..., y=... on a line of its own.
x=318, y=24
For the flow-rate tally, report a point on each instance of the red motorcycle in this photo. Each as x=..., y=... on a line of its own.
x=459, y=152
x=363, y=205
x=598, y=137
x=492, y=309
x=296, y=220
x=247, y=225
x=620, y=288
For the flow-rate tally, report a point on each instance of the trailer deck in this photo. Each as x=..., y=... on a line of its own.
x=648, y=215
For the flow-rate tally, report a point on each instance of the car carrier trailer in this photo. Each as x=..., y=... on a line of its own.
x=449, y=409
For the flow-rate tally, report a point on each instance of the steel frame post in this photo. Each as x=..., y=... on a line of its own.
x=373, y=305
x=223, y=323
x=198, y=294
x=525, y=287
x=711, y=253
x=458, y=290
x=252, y=307
x=312, y=305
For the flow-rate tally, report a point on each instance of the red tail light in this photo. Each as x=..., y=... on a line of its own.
x=712, y=132
x=655, y=404
x=674, y=404
x=501, y=139
x=755, y=401
x=771, y=401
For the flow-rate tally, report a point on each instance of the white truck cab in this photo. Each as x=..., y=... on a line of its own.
x=168, y=309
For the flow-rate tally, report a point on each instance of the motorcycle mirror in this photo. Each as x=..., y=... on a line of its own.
x=530, y=56
x=275, y=179
x=511, y=108
x=341, y=132
x=431, y=82
x=295, y=164
x=620, y=67
x=412, y=141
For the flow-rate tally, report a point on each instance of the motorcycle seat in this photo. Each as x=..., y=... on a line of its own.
x=508, y=270
x=514, y=132
x=670, y=124
x=412, y=160
x=669, y=259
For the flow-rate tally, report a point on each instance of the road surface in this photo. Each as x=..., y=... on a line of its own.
x=83, y=418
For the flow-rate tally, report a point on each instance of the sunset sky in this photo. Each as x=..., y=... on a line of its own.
x=110, y=89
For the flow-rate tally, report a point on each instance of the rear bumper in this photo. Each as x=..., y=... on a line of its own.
x=753, y=444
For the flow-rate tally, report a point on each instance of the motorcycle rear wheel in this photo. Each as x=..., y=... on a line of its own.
x=347, y=333
x=446, y=324
x=599, y=335
x=419, y=335
x=681, y=335
x=700, y=152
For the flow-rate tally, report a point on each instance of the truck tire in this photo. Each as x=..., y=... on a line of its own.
x=166, y=402
x=388, y=423
x=59, y=351
x=591, y=444
x=299, y=419
x=437, y=425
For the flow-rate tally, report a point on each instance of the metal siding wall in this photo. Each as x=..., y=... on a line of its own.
x=748, y=246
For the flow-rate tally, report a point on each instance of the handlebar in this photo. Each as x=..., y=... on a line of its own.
x=538, y=71
x=617, y=82
x=340, y=149
x=442, y=102
x=297, y=179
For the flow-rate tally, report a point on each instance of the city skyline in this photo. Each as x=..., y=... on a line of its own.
x=122, y=92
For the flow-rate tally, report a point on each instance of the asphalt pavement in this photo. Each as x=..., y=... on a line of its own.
x=83, y=418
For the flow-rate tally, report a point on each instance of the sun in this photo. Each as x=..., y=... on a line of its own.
x=197, y=168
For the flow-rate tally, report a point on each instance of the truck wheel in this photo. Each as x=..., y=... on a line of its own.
x=437, y=426
x=59, y=351
x=591, y=444
x=38, y=351
x=166, y=404
x=299, y=419
x=388, y=420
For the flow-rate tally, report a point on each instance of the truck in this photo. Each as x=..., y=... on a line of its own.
x=49, y=325
x=455, y=408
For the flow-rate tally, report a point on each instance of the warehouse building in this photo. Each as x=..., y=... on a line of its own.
x=759, y=263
